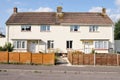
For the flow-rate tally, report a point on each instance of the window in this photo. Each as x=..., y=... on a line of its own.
x=74, y=28
x=25, y=28
x=101, y=44
x=93, y=28
x=19, y=44
x=69, y=44
x=50, y=44
x=45, y=28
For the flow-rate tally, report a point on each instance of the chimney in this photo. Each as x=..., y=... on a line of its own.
x=15, y=10
x=59, y=13
x=103, y=11
x=59, y=9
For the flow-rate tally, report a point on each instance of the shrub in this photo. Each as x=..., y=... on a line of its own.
x=7, y=47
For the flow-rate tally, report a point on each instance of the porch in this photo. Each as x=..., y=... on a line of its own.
x=31, y=45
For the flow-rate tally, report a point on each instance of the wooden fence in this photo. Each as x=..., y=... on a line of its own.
x=94, y=59
x=27, y=58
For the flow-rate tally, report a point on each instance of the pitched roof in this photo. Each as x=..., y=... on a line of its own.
x=85, y=18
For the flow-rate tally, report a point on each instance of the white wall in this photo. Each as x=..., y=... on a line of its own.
x=60, y=34
x=2, y=41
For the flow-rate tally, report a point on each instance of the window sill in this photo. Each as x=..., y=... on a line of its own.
x=45, y=31
x=25, y=31
x=94, y=31
x=75, y=31
x=69, y=49
x=20, y=48
x=101, y=49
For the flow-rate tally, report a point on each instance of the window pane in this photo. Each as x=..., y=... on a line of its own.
x=23, y=44
x=48, y=28
x=25, y=28
x=48, y=44
x=93, y=28
x=74, y=28
x=105, y=44
x=15, y=44
x=70, y=44
x=45, y=28
x=71, y=28
x=18, y=44
x=67, y=44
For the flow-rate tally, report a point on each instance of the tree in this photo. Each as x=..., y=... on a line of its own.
x=117, y=30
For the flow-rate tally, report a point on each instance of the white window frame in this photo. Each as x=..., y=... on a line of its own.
x=74, y=28
x=25, y=27
x=50, y=44
x=101, y=44
x=45, y=28
x=18, y=44
x=93, y=29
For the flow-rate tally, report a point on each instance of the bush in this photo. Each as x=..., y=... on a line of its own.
x=7, y=47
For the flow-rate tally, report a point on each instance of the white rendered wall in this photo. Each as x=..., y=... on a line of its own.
x=60, y=34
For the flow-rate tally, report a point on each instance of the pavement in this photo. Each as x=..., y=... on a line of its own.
x=62, y=71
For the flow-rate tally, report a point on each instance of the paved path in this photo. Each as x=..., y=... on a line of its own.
x=37, y=72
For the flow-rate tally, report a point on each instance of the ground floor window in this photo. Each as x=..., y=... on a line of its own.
x=19, y=44
x=50, y=44
x=69, y=44
x=101, y=44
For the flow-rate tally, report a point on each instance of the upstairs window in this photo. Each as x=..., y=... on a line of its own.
x=45, y=28
x=74, y=28
x=93, y=28
x=25, y=28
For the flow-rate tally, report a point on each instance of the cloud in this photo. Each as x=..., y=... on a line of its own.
x=41, y=9
x=114, y=14
x=95, y=9
x=117, y=2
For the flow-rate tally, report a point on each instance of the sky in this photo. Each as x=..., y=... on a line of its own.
x=6, y=7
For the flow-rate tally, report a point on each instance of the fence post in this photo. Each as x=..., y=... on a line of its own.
x=7, y=57
x=94, y=59
x=30, y=58
x=117, y=60
x=72, y=59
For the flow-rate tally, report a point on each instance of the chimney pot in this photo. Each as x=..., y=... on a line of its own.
x=15, y=10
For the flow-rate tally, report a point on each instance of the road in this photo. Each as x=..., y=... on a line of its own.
x=38, y=72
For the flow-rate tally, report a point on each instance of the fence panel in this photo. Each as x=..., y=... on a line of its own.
x=25, y=57
x=48, y=58
x=14, y=57
x=37, y=58
x=4, y=57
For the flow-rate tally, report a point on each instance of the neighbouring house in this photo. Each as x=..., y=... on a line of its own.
x=60, y=31
x=2, y=39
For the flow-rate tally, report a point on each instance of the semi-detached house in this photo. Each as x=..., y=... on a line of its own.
x=60, y=31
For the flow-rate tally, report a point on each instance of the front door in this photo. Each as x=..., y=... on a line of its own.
x=32, y=47
x=87, y=47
